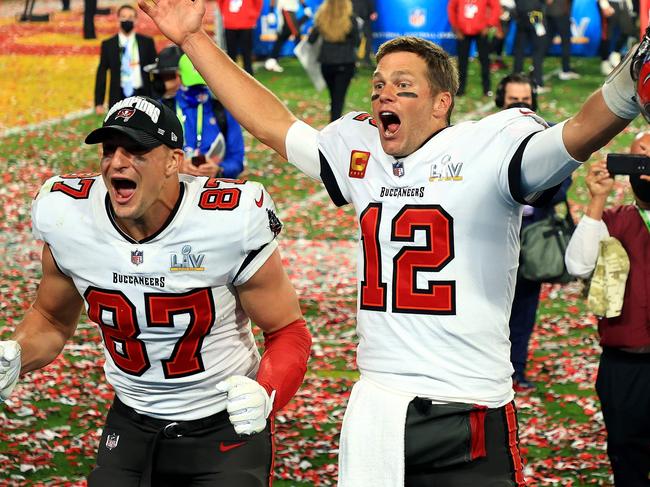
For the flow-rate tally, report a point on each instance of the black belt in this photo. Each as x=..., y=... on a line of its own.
x=624, y=355
x=167, y=429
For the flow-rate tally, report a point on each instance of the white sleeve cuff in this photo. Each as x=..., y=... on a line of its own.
x=302, y=148
x=254, y=265
x=546, y=162
x=582, y=252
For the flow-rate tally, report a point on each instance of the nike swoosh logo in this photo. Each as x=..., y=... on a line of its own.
x=260, y=201
x=223, y=448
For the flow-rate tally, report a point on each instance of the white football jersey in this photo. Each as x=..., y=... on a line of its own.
x=167, y=307
x=438, y=252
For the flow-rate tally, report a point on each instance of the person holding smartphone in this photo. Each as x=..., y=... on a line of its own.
x=623, y=383
x=212, y=139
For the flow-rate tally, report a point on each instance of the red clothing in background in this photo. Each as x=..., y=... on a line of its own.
x=470, y=17
x=240, y=14
x=632, y=328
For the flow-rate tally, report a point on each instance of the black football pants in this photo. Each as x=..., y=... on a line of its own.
x=138, y=451
x=460, y=445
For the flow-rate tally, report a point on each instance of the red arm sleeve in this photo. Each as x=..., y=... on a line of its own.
x=284, y=361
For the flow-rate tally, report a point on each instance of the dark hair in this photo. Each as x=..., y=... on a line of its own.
x=442, y=71
x=500, y=95
x=126, y=5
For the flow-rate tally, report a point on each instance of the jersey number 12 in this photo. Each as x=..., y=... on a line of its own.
x=439, y=298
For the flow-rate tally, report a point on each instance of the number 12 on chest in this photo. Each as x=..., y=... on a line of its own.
x=439, y=298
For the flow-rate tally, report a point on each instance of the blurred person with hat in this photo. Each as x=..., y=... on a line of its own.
x=192, y=394
x=213, y=139
x=623, y=382
x=163, y=74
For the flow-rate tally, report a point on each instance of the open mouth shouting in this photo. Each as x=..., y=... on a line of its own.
x=390, y=123
x=123, y=189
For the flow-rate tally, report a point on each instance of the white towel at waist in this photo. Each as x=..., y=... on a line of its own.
x=372, y=437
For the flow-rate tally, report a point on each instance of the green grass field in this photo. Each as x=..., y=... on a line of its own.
x=49, y=430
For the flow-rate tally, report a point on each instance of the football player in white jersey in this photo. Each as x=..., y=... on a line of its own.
x=172, y=269
x=439, y=208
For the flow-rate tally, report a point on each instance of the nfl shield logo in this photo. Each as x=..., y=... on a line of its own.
x=137, y=257
x=111, y=441
x=398, y=169
x=417, y=17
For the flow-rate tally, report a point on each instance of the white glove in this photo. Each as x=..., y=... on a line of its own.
x=271, y=19
x=307, y=11
x=248, y=403
x=9, y=367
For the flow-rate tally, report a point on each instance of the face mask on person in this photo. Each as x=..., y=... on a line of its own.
x=641, y=188
x=158, y=87
x=520, y=104
x=127, y=25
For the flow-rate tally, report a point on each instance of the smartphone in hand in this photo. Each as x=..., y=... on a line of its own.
x=198, y=160
x=628, y=164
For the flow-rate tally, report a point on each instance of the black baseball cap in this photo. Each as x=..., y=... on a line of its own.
x=166, y=62
x=145, y=120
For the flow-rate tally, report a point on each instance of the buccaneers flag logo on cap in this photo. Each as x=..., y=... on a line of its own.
x=125, y=113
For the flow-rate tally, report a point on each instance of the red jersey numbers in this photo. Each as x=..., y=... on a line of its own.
x=78, y=190
x=440, y=296
x=216, y=182
x=186, y=359
x=216, y=198
x=117, y=318
x=433, y=256
x=363, y=117
x=373, y=291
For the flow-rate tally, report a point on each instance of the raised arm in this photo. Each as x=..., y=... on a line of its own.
x=593, y=127
x=610, y=109
x=582, y=251
x=256, y=108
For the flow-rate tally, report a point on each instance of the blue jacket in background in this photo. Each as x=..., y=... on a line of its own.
x=233, y=159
